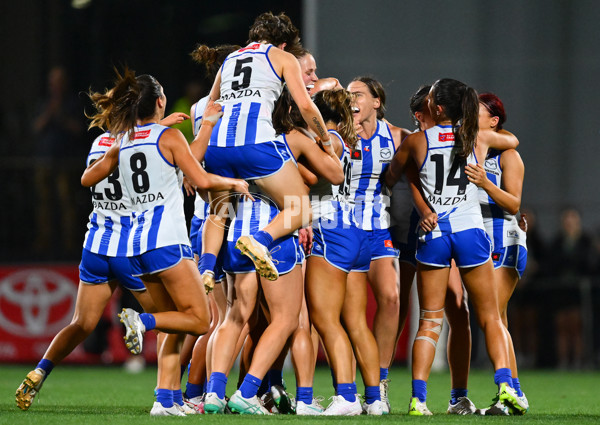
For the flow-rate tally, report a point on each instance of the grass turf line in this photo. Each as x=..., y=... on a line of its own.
x=101, y=395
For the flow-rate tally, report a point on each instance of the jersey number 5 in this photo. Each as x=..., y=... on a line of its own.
x=239, y=70
x=458, y=166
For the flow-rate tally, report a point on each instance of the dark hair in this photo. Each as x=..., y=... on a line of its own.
x=494, y=106
x=336, y=106
x=275, y=29
x=212, y=57
x=417, y=102
x=377, y=91
x=461, y=106
x=132, y=98
x=286, y=115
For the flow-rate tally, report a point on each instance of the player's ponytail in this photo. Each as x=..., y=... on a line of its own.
x=336, y=106
x=467, y=131
x=119, y=108
x=461, y=106
x=212, y=57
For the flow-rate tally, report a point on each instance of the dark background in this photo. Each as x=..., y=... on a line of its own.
x=542, y=57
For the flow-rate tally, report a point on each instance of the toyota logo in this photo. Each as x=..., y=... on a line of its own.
x=31, y=301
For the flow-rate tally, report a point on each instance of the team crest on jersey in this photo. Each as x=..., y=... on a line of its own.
x=386, y=153
x=141, y=134
x=356, y=154
x=106, y=141
x=491, y=165
x=446, y=137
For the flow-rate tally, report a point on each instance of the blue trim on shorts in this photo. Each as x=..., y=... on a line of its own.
x=468, y=248
x=346, y=248
x=380, y=242
x=283, y=252
x=160, y=259
x=512, y=257
x=96, y=269
x=247, y=162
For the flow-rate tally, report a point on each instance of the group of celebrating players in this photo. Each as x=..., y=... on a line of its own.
x=305, y=194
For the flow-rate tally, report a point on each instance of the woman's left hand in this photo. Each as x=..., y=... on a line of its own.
x=476, y=174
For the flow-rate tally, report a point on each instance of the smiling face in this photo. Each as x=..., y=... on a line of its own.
x=365, y=105
x=308, y=65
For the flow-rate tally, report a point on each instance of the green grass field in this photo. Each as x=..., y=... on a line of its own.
x=102, y=395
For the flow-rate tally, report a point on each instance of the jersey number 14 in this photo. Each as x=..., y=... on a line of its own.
x=457, y=167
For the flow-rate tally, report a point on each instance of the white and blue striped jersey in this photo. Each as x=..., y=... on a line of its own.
x=200, y=206
x=370, y=159
x=502, y=227
x=155, y=191
x=446, y=186
x=110, y=220
x=249, y=89
x=251, y=216
x=329, y=201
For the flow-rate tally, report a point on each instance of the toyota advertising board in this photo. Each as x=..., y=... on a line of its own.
x=36, y=302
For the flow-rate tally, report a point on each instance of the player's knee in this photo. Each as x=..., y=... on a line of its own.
x=430, y=326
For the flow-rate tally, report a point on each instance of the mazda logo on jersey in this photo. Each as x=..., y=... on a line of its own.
x=356, y=154
x=386, y=153
x=36, y=302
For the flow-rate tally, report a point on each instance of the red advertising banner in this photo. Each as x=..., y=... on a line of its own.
x=37, y=301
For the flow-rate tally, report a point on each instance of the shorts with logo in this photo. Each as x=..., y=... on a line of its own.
x=284, y=253
x=380, y=241
x=513, y=257
x=96, y=268
x=196, y=227
x=346, y=248
x=248, y=161
x=160, y=259
x=468, y=248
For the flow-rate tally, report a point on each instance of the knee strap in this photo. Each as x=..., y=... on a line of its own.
x=437, y=317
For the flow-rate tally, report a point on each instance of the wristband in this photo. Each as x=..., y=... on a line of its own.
x=327, y=143
x=208, y=122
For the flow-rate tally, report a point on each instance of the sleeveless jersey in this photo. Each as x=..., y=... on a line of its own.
x=502, y=227
x=110, y=220
x=329, y=200
x=249, y=89
x=370, y=159
x=200, y=206
x=446, y=186
x=155, y=191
